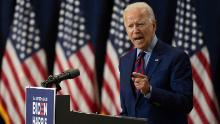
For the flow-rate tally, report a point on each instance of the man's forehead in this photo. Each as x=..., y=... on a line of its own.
x=135, y=16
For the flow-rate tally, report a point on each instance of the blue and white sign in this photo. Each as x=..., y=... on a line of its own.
x=40, y=105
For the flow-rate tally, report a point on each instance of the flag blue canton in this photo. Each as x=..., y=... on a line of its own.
x=25, y=37
x=72, y=35
x=187, y=35
x=118, y=35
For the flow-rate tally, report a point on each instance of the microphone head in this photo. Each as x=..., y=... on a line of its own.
x=72, y=72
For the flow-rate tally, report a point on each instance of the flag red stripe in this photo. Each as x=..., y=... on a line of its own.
x=110, y=94
x=113, y=71
x=40, y=67
x=204, y=62
x=198, y=109
x=88, y=100
x=15, y=75
x=12, y=98
x=75, y=106
x=208, y=99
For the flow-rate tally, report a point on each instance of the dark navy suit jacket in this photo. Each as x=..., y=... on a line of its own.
x=170, y=75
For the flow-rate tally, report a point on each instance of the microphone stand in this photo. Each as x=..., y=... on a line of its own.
x=52, y=80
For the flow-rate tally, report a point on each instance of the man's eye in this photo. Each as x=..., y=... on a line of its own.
x=141, y=24
x=130, y=26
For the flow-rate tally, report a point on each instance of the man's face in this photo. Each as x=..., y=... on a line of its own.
x=139, y=28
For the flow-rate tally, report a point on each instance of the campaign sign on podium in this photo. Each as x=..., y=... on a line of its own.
x=40, y=105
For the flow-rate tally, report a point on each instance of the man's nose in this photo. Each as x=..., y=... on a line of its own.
x=135, y=29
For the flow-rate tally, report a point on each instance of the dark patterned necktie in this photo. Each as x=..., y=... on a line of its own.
x=139, y=64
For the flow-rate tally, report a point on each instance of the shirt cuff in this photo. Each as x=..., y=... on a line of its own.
x=148, y=95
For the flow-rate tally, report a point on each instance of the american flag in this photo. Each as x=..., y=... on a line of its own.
x=189, y=37
x=74, y=50
x=117, y=44
x=24, y=63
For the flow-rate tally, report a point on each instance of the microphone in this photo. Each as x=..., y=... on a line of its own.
x=56, y=79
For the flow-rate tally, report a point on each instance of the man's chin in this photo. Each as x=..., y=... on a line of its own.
x=140, y=47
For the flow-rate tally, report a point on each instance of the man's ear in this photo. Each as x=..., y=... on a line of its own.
x=155, y=24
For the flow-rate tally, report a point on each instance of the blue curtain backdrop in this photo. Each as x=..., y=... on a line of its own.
x=98, y=15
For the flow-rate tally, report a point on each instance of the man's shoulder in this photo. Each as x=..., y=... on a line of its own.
x=170, y=49
x=172, y=52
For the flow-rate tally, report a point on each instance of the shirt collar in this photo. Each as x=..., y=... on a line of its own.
x=151, y=47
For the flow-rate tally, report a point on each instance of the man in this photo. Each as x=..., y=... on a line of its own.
x=162, y=91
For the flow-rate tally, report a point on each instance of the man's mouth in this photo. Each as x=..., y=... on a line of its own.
x=138, y=38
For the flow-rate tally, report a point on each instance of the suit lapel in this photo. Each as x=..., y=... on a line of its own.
x=154, y=60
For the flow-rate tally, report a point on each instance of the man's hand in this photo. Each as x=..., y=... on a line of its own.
x=141, y=82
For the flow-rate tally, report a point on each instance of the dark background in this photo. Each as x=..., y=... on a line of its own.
x=98, y=16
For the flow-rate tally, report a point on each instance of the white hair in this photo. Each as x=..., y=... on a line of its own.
x=143, y=6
